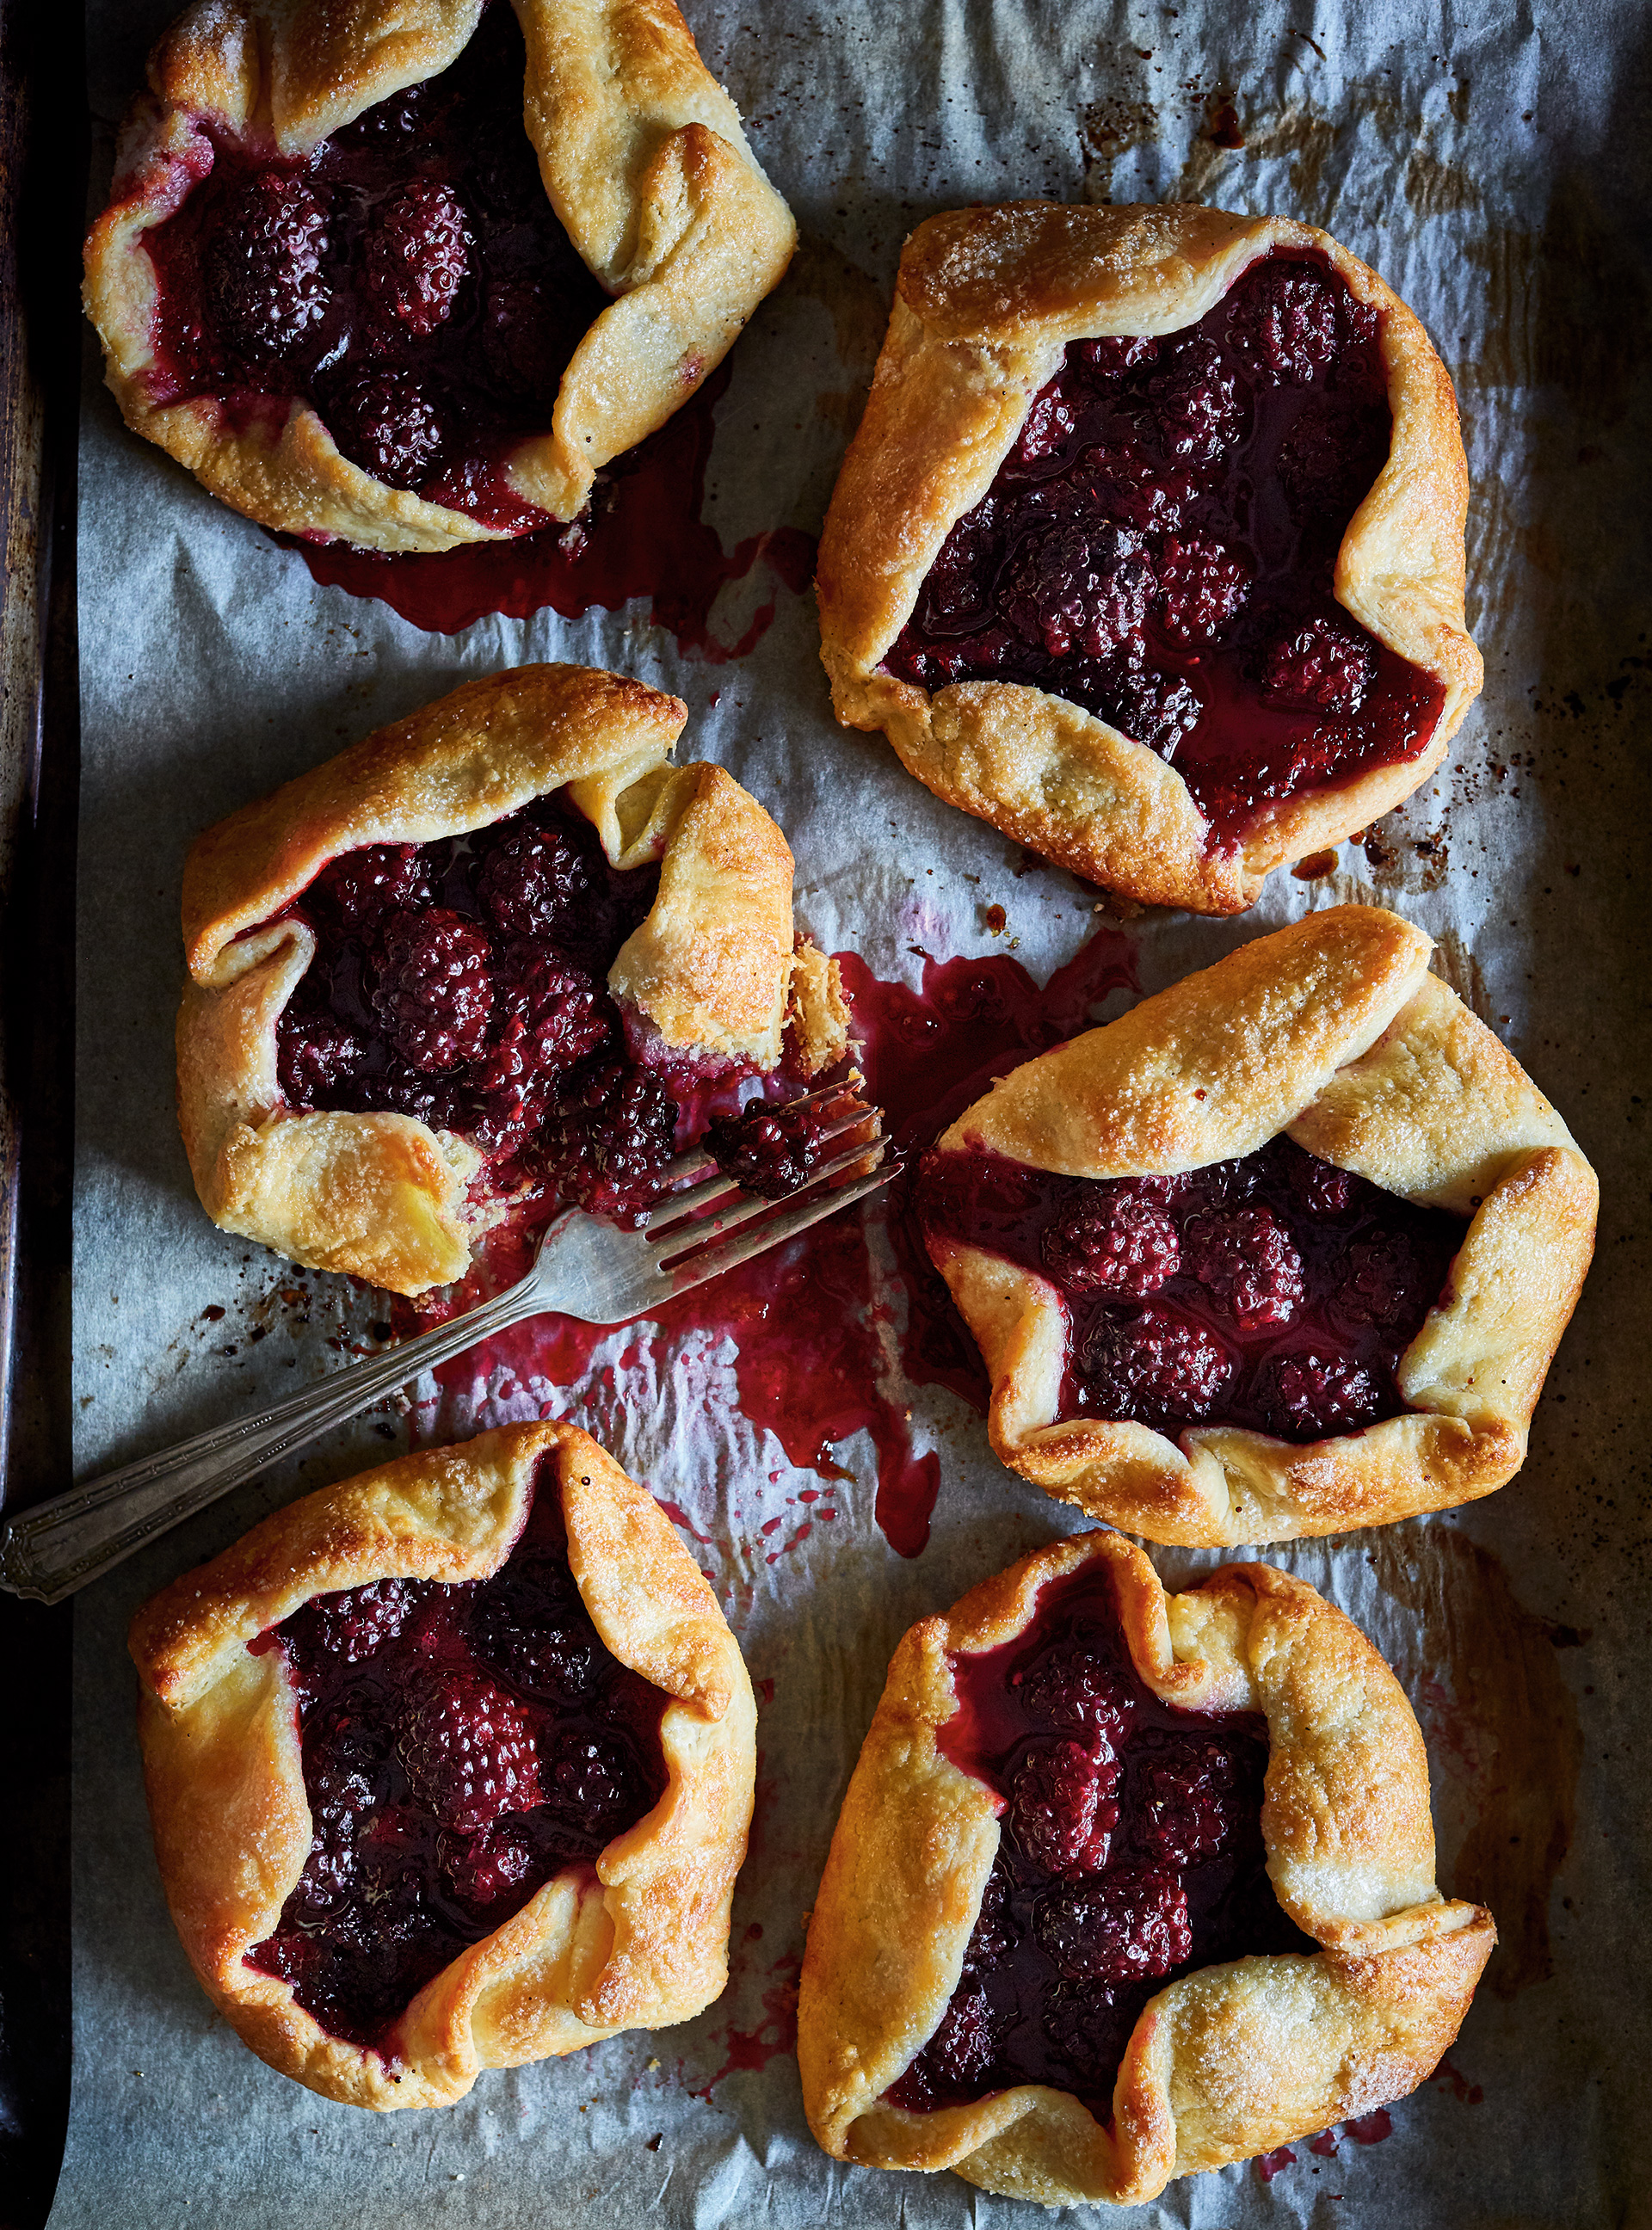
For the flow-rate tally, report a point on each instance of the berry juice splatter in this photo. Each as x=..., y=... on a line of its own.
x=1131, y=1853
x=1158, y=548
x=644, y=537
x=820, y=1353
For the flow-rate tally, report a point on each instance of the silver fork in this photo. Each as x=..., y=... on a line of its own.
x=584, y=1267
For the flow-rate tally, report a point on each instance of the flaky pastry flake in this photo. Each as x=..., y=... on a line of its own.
x=639, y=1940
x=986, y=303
x=1232, y=2059
x=1333, y=1031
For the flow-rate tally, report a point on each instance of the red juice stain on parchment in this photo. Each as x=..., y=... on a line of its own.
x=1370, y=2129
x=927, y=1055
x=1365, y=2129
x=749, y=2050
x=807, y=1321
x=1466, y=2093
x=645, y=537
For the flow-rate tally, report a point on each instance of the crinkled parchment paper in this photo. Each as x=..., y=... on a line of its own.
x=1492, y=164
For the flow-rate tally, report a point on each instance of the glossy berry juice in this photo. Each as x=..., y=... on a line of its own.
x=1276, y=1292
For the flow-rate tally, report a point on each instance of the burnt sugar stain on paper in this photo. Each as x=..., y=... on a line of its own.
x=857, y=303
x=1437, y=189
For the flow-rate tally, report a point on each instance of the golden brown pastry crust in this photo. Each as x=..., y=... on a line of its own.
x=639, y=1941
x=642, y=157
x=1233, y=2059
x=711, y=969
x=986, y=302
x=1334, y=1031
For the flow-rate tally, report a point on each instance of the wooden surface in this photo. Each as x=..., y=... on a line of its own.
x=42, y=189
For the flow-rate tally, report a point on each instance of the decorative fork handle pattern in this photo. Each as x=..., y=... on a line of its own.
x=58, y=1546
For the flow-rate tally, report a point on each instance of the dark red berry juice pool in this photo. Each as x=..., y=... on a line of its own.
x=1276, y=1292
x=808, y=1322
x=461, y=1744
x=1131, y=1852
x=1157, y=548
x=644, y=537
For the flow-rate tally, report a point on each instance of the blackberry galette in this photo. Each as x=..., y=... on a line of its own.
x=450, y=1767
x=1149, y=550
x=409, y=275
x=1126, y=1886
x=498, y=957
x=1285, y=1249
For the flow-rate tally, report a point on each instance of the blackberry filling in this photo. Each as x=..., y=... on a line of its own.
x=409, y=278
x=464, y=982
x=1276, y=1292
x=461, y=1744
x=773, y=1149
x=1159, y=547
x=1131, y=1852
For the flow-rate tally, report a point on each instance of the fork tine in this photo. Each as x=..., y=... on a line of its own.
x=694, y=1163
x=694, y=1269
x=678, y=1202
x=858, y=1114
x=683, y=1238
x=849, y=1084
x=673, y=1208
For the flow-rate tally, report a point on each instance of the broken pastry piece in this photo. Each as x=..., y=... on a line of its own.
x=501, y=956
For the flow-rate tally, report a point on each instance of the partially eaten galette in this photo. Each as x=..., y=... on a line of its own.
x=1149, y=550
x=1127, y=1885
x=500, y=955
x=410, y=274
x=450, y=1767
x=1285, y=1249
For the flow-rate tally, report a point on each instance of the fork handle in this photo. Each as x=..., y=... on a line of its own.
x=57, y=1546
